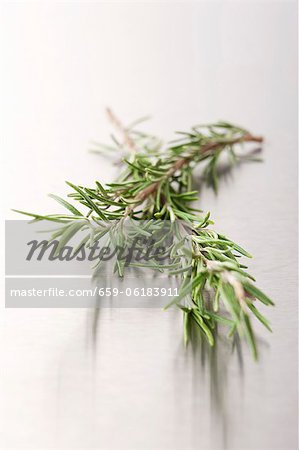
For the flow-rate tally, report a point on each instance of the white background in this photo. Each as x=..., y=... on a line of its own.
x=183, y=63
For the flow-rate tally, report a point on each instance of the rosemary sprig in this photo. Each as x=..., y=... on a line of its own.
x=156, y=183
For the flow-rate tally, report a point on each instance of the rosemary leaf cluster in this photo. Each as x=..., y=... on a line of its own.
x=156, y=183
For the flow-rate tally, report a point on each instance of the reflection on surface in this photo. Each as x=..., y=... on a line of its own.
x=213, y=362
x=121, y=379
x=201, y=373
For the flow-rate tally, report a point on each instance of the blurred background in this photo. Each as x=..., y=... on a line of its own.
x=132, y=385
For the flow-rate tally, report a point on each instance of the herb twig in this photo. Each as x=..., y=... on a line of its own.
x=156, y=183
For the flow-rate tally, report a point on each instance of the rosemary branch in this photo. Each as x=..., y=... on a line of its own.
x=156, y=183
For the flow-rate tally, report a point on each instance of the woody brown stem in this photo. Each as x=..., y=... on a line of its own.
x=127, y=141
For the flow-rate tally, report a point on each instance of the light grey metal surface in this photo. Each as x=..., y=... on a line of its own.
x=123, y=380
